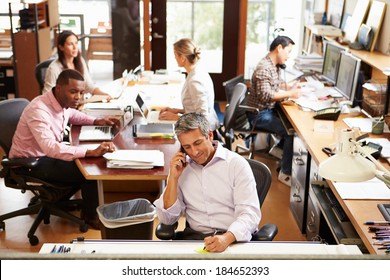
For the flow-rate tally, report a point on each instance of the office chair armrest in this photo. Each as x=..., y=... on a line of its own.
x=249, y=109
x=265, y=233
x=166, y=232
x=19, y=162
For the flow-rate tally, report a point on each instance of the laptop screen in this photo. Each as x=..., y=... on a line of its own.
x=143, y=109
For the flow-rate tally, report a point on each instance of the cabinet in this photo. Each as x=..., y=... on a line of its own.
x=32, y=42
x=299, y=182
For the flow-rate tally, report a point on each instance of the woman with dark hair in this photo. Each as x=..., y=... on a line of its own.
x=69, y=57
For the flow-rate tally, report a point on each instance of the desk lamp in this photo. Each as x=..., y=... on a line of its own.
x=351, y=163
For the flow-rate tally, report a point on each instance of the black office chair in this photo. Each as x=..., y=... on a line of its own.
x=263, y=179
x=40, y=71
x=50, y=199
x=230, y=84
x=237, y=125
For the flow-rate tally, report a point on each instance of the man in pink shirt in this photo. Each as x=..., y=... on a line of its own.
x=40, y=132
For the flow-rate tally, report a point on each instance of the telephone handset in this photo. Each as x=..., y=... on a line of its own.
x=331, y=114
x=184, y=152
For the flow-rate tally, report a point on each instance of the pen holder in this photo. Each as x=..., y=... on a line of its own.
x=378, y=125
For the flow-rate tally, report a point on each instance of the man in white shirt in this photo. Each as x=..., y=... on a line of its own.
x=214, y=188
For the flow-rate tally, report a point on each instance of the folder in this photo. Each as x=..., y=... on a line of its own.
x=135, y=159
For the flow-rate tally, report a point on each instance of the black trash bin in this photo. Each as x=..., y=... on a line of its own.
x=132, y=219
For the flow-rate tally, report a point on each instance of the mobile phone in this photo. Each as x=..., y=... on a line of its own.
x=183, y=151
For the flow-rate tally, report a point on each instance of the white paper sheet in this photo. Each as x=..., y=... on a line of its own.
x=371, y=189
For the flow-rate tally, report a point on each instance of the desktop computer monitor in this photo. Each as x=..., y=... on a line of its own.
x=331, y=62
x=348, y=74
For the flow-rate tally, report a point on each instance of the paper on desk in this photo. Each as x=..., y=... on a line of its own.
x=313, y=105
x=371, y=189
x=365, y=124
x=135, y=159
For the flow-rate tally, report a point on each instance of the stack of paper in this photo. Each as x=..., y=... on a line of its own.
x=135, y=159
x=307, y=63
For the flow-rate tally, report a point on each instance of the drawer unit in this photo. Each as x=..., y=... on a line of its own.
x=313, y=217
x=299, y=183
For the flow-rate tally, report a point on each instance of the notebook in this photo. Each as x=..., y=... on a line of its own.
x=95, y=132
x=150, y=116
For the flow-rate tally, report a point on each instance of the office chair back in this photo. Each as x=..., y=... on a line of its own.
x=10, y=112
x=263, y=178
x=40, y=72
x=230, y=84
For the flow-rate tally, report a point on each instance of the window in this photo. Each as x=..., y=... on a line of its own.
x=201, y=20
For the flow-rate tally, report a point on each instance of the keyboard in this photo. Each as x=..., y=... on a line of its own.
x=94, y=132
x=335, y=205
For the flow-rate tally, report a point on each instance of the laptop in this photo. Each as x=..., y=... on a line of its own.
x=151, y=116
x=96, y=133
x=114, y=88
x=154, y=130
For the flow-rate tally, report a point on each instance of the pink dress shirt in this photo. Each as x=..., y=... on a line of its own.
x=40, y=130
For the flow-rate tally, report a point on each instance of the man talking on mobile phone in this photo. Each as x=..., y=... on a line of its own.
x=213, y=187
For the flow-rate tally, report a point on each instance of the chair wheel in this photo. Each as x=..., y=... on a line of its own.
x=84, y=228
x=2, y=225
x=33, y=240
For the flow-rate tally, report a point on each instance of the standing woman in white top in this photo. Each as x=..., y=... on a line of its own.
x=69, y=57
x=198, y=91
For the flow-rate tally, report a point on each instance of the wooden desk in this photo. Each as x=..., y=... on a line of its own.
x=95, y=168
x=358, y=211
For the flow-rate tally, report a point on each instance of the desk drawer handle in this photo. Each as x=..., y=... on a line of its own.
x=299, y=161
x=310, y=226
x=297, y=197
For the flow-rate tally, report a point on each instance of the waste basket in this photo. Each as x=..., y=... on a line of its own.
x=132, y=219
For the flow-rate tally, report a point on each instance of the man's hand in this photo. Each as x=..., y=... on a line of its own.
x=177, y=164
x=105, y=147
x=219, y=243
x=107, y=121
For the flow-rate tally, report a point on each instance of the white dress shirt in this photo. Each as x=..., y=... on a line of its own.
x=198, y=95
x=219, y=196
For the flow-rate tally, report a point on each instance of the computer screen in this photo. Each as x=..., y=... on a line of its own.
x=330, y=66
x=348, y=73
